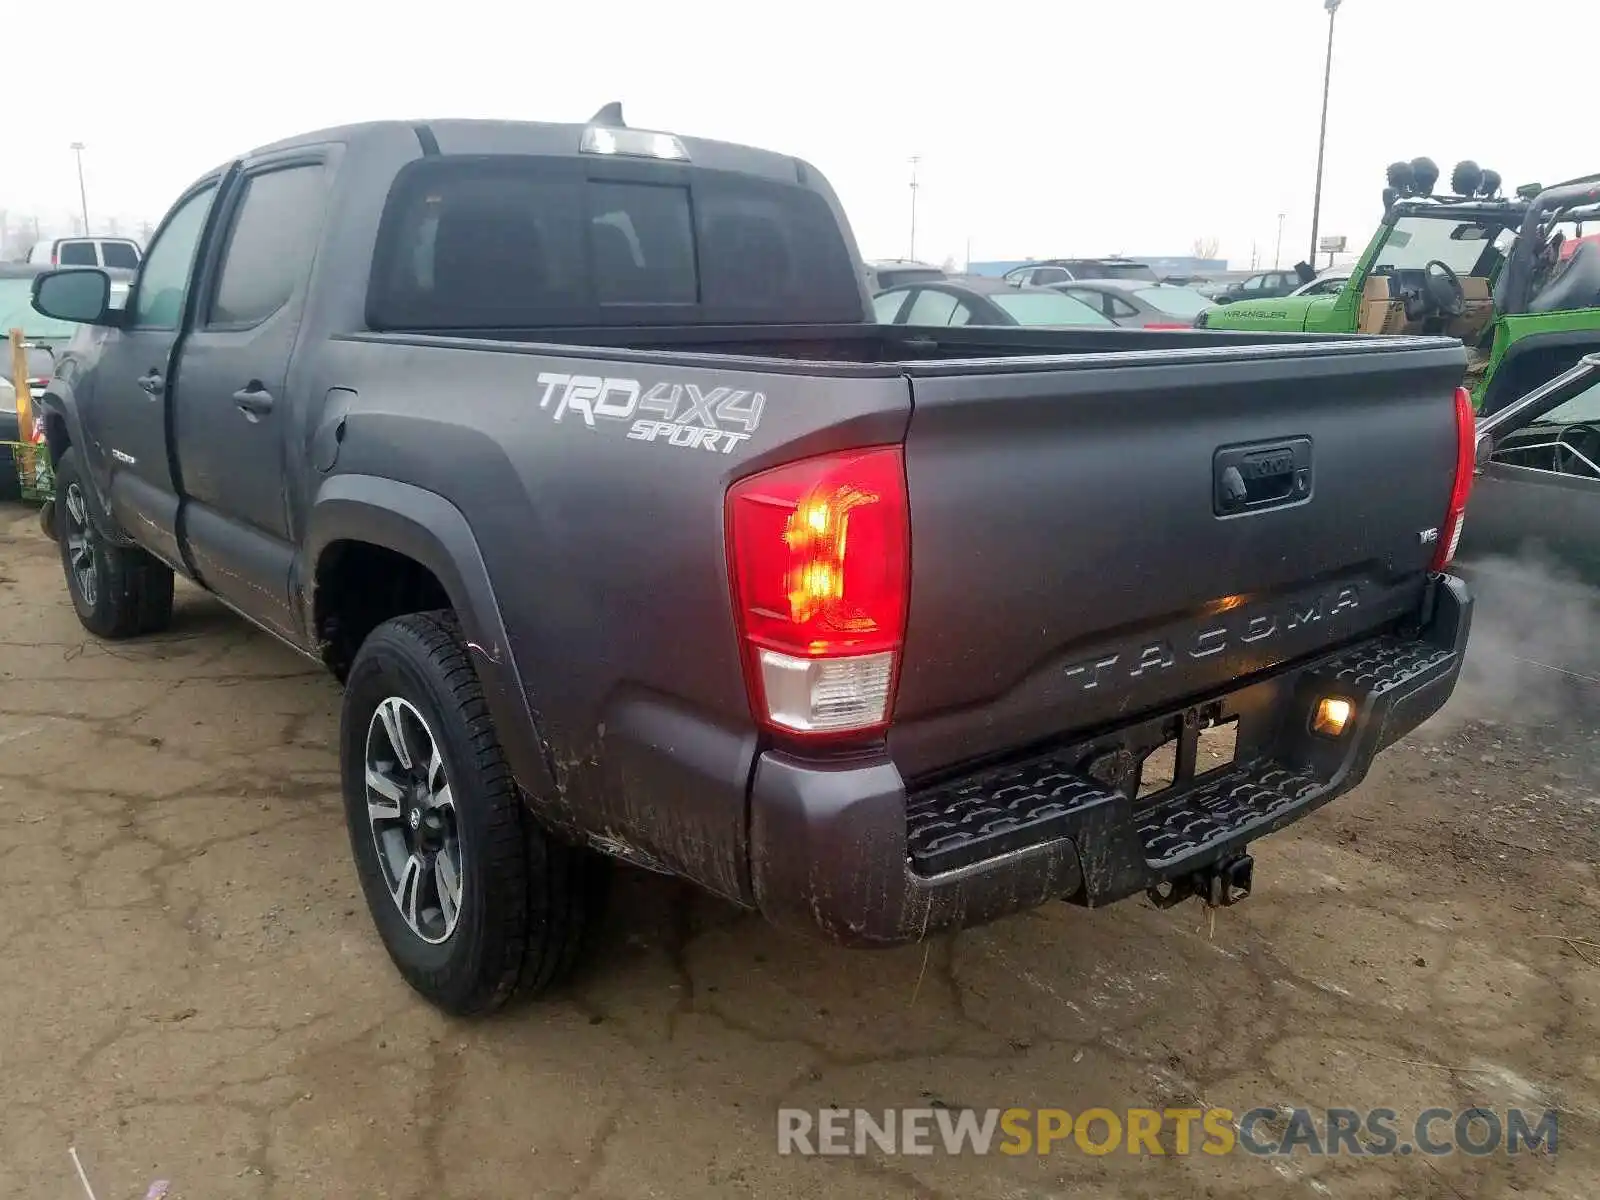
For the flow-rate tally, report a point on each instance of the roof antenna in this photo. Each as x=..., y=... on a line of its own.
x=610, y=115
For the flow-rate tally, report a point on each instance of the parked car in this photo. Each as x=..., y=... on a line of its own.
x=1329, y=283
x=978, y=300
x=1212, y=289
x=888, y=273
x=576, y=454
x=1135, y=305
x=45, y=340
x=1539, y=482
x=118, y=254
x=1264, y=285
x=1060, y=270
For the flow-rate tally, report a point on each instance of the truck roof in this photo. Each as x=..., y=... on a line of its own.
x=476, y=136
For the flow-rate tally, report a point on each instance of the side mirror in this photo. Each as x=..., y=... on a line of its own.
x=81, y=296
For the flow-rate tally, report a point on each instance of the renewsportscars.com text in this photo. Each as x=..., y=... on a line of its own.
x=1179, y=1131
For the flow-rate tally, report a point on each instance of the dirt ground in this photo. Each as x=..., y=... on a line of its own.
x=191, y=990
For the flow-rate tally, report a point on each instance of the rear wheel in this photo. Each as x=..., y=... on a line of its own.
x=118, y=591
x=475, y=903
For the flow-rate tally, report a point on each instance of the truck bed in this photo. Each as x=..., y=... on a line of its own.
x=1062, y=497
x=895, y=348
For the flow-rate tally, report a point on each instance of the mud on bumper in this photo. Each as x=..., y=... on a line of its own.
x=848, y=851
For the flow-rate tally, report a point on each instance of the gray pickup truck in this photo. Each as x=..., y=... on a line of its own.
x=574, y=453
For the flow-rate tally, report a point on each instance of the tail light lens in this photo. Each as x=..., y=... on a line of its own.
x=1456, y=517
x=819, y=552
x=1163, y=325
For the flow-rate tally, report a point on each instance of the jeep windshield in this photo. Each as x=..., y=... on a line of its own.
x=1466, y=247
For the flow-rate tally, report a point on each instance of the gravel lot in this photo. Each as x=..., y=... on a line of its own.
x=192, y=991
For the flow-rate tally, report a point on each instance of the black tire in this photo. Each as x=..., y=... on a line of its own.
x=131, y=590
x=526, y=898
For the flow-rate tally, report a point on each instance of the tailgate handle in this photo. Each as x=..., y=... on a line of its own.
x=1251, y=478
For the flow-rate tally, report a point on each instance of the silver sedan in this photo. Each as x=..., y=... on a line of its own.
x=1135, y=304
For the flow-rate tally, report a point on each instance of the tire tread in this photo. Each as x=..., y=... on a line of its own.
x=539, y=888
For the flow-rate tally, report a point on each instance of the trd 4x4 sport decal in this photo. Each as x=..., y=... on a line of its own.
x=681, y=414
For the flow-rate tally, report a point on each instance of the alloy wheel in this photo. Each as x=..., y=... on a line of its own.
x=412, y=813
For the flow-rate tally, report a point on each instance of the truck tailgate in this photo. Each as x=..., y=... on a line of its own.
x=1112, y=537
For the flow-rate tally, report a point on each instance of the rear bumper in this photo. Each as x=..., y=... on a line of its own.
x=847, y=851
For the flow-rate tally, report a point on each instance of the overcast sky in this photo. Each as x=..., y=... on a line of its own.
x=1045, y=127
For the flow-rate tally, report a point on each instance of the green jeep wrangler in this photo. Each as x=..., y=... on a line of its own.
x=1515, y=279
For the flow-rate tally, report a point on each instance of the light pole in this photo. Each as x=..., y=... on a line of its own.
x=83, y=195
x=1322, y=141
x=915, y=159
x=1277, y=251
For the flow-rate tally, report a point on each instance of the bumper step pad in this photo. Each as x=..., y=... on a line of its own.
x=1014, y=806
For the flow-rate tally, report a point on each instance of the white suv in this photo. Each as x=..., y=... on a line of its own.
x=123, y=253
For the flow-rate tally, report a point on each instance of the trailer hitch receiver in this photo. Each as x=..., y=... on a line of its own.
x=1218, y=885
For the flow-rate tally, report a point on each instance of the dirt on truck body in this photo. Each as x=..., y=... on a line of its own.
x=574, y=452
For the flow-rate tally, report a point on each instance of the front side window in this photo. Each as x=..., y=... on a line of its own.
x=270, y=247
x=165, y=279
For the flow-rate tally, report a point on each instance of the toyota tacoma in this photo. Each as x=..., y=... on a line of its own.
x=573, y=451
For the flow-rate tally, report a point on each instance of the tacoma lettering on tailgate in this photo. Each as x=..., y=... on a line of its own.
x=1228, y=630
x=683, y=414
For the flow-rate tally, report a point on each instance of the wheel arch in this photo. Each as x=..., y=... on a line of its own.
x=395, y=526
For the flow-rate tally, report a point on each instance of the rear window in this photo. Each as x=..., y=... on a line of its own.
x=1179, y=302
x=1113, y=270
x=76, y=254
x=119, y=254
x=894, y=277
x=1047, y=308
x=509, y=242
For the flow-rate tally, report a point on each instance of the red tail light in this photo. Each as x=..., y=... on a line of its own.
x=1456, y=517
x=1160, y=325
x=819, y=552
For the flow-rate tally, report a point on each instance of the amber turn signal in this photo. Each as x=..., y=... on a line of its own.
x=1331, y=717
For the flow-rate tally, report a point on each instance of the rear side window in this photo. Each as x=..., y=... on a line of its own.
x=76, y=254
x=119, y=254
x=507, y=242
x=270, y=246
x=932, y=308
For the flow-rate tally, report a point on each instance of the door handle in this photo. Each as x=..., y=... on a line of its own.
x=254, y=401
x=152, y=382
